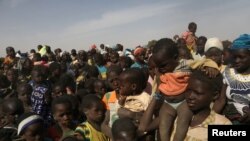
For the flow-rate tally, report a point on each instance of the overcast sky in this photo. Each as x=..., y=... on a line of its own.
x=78, y=24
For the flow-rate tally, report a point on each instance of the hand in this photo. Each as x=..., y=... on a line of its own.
x=211, y=72
x=246, y=117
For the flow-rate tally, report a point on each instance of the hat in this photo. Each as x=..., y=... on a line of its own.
x=242, y=42
x=213, y=42
x=26, y=120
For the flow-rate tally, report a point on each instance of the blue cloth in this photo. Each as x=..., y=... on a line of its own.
x=138, y=65
x=243, y=42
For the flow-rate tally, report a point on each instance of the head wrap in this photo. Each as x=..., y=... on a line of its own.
x=26, y=122
x=213, y=42
x=242, y=42
x=138, y=50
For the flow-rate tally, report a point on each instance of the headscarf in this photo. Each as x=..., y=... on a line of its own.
x=242, y=42
x=213, y=42
x=27, y=121
x=138, y=50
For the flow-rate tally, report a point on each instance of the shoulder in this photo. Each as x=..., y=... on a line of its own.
x=221, y=120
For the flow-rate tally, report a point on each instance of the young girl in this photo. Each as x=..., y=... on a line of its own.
x=201, y=91
x=63, y=115
x=94, y=110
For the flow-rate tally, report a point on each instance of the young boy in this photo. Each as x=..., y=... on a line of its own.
x=63, y=115
x=201, y=91
x=90, y=130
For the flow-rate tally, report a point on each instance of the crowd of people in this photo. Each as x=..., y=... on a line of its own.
x=171, y=89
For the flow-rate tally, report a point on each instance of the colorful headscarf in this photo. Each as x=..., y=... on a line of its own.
x=138, y=50
x=242, y=42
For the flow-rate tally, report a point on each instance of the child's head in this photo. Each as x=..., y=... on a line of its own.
x=37, y=74
x=100, y=88
x=93, y=108
x=184, y=53
x=73, y=52
x=55, y=69
x=201, y=41
x=139, y=54
x=165, y=55
x=12, y=75
x=202, y=90
x=62, y=111
x=114, y=57
x=124, y=129
x=12, y=108
x=58, y=90
x=99, y=59
x=241, y=54
x=113, y=73
x=30, y=127
x=125, y=62
x=24, y=91
x=82, y=56
x=27, y=65
x=51, y=57
x=36, y=57
x=10, y=51
x=213, y=50
x=132, y=81
x=192, y=27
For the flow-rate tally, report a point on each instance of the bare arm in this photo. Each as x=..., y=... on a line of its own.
x=105, y=125
x=220, y=102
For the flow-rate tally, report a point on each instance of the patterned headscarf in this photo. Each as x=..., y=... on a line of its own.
x=242, y=42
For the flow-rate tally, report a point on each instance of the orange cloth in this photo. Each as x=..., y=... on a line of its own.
x=8, y=60
x=174, y=83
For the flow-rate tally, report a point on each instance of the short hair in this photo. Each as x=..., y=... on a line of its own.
x=13, y=105
x=122, y=125
x=60, y=100
x=114, y=68
x=89, y=100
x=167, y=46
x=203, y=38
x=4, y=82
x=215, y=83
x=137, y=76
x=192, y=25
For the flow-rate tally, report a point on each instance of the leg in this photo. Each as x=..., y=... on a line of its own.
x=183, y=120
x=167, y=117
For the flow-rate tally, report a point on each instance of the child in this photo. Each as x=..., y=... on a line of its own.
x=100, y=64
x=189, y=36
x=31, y=127
x=201, y=91
x=125, y=62
x=124, y=129
x=63, y=115
x=200, y=54
x=25, y=70
x=132, y=84
x=41, y=95
x=111, y=99
x=55, y=72
x=4, y=87
x=100, y=88
x=139, y=54
x=58, y=90
x=24, y=91
x=12, y=108
x=94, y=110
x=174, y=77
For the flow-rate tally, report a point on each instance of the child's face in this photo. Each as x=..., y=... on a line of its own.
x=114, y=58
x=198, y=95
x=63, y=114
x=100, y=88
x=215, y=54
x=113, y=80
x=57, y=91
x=34, y=132
x=12, y=77
x=126, y=88
x=24, y=94
x=37, y=76
x=96, y=113
x=241, y=60
x=163, y=63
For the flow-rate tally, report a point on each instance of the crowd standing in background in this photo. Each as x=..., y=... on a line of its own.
x=170, y=89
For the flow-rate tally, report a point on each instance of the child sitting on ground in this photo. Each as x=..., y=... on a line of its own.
x=90, y=130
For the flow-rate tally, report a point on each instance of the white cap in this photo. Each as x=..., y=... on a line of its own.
x=213, y=42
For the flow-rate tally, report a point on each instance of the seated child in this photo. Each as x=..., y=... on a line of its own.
x=201, y=91
x=31, y=127
x=90, y=130
x=124, y=129
x=63, y=115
